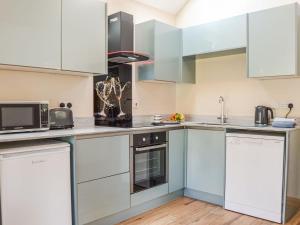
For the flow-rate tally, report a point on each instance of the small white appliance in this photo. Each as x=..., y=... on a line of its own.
x=254, y=175
x=35, y=183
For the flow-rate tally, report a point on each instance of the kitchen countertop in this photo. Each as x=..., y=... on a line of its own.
x=111, y=130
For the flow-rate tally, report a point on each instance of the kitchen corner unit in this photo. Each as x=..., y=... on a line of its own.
x=163, y=43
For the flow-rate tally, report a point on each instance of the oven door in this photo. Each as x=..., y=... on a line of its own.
x=149, y=167
x=18, y=117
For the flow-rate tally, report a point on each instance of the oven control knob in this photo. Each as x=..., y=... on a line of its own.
x=144, y=139
x=156, y=137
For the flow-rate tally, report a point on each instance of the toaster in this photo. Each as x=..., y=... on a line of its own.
x=62, y=117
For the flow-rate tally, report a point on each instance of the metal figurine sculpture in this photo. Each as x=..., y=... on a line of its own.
x=104, y=91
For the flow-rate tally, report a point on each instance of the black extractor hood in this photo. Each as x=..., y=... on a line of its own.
x=120, y=40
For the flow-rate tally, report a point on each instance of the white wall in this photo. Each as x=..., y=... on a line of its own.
x=55, y=88
x=226, y=75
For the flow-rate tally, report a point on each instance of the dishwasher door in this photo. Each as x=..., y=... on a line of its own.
x=35, y=185
x=254, y=175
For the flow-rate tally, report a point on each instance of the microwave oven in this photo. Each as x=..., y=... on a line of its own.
x=24, y=116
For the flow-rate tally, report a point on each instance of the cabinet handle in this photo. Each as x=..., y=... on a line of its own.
x=150, y=148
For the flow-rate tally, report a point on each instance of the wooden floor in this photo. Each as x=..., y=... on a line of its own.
x=186, y=211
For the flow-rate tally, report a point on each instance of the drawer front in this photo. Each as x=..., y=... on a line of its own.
x=103, y=197
x=101, y=157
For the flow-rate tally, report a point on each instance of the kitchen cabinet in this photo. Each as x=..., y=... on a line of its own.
x=66, y=36
x=103, y=197
x=101, y=157
x=162, y=43
x=102, y=177
x=273, y=40
x=206, y=165
x=176, y=160
x=30, y=33
x=84, y=38
x=223, y=35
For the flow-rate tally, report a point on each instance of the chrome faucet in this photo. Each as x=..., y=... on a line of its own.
x=222, y=117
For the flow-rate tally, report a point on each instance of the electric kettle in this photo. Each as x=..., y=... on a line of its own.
x=262, y=115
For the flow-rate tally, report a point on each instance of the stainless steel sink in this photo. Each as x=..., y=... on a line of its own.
x=211, y=124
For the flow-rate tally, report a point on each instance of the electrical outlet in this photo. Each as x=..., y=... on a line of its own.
x=281, y=105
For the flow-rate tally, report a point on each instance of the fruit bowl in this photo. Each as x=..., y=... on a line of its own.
x=179, y=117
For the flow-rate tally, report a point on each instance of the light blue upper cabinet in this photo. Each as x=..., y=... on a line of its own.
x=84, y=38
x=30, y=33
x=273, y=42
x=176, y=160
x=162, y=43
x=222, y=35
x=206, y=165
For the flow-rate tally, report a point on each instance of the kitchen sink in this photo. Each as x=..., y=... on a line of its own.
x=211, y=124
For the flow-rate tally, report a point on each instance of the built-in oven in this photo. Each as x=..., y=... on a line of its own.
x=148, y=160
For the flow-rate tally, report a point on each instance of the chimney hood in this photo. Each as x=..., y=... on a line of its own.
x=120, y=40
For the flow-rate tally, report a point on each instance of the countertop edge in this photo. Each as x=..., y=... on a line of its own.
x=77, y=132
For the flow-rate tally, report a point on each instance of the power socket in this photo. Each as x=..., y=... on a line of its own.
x=282, y=106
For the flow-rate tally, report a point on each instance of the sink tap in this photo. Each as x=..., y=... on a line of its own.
x=222, y=117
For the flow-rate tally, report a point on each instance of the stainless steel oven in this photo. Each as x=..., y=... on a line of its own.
x=148, y=160
x=23, y=116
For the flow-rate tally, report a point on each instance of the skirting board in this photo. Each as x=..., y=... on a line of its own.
x=204, y=196
x=134, y=211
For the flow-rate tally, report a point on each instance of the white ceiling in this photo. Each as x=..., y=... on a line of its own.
x=170, y=6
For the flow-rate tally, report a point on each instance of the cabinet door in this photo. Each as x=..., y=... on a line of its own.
x=103, y=197
x=227, y=34
x=162, y=43
x=206, y=161
x=176, y=160
x=167, y=52
x=272, y=42
x=84, y=36
x=30, y=33
x=101, y=157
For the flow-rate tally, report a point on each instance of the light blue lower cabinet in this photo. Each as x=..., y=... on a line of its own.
x=101, y=157
x=176, y=159
x=149, y=194
x=206, y=165
x=103, y=197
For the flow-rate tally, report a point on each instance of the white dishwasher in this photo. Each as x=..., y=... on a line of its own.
x=254, y=175
x=35, y=183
